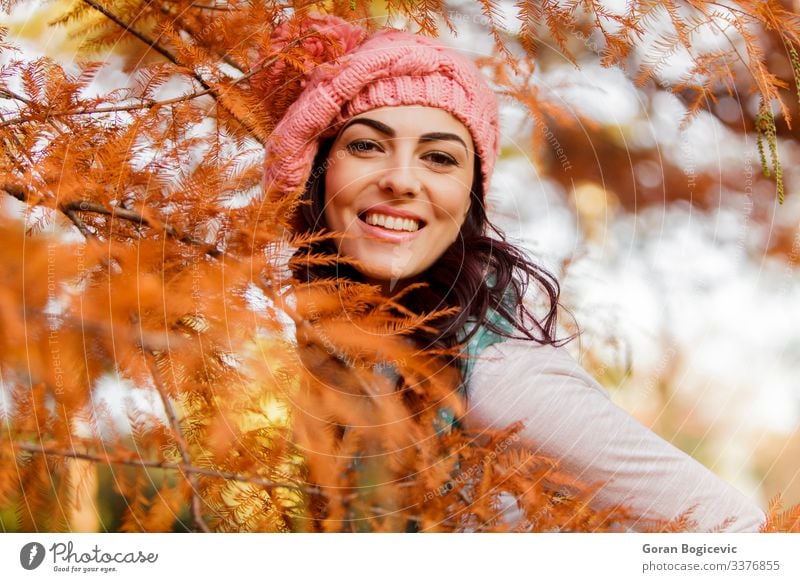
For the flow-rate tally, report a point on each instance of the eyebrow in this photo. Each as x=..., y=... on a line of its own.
x=388, y=131
x=442, y=136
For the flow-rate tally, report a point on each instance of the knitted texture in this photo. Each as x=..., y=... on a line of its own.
x=389, y=68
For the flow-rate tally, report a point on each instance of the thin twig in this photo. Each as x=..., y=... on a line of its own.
x=173, y=59
x=141, y=36
x=71, y=210
x=206, y=6
x=78, y=222
x=186, y=27
x=112, y=109
x=180, y=441
x=136, y=218
x=107, y=460
x=19, y=147
x=133, y=107
x=15, y=191
x=7, y=93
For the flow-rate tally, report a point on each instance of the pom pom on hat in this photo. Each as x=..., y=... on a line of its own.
x=388, y=68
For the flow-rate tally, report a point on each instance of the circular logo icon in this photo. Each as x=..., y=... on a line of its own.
x=31, y=555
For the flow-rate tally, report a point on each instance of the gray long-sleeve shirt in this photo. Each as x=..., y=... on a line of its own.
x=570, y=417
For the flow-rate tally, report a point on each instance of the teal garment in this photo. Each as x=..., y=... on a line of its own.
x=482, y=339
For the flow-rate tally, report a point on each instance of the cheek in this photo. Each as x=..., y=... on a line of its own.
x=465, y=210
x=328, y=207
x=455, y=206
x=335, y=202
x=342, y=185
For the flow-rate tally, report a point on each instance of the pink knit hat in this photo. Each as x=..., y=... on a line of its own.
x=388, y=68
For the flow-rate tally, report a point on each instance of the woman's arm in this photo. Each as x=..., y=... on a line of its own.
x=569, y=417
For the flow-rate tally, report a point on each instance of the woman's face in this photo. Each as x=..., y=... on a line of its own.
x=397, y=187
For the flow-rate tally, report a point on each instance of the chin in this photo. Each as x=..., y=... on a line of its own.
x=391, y=279
x=384, y=274
x=379, y=264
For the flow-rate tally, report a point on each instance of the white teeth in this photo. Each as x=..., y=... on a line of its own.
x=392, y=222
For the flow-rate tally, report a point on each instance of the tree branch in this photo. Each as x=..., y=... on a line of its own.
x=7, y=93
x=133, y=107
x=188, y=29
x=206, y=6
x=71, y=208
x=15, y=191
x=141, y=36
x=78, y=222
x=173, y=59
x=108, y=460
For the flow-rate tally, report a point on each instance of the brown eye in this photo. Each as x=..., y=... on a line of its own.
x=441, y=159
x=362, y=146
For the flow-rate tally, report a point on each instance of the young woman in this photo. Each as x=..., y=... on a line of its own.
x=394, y=145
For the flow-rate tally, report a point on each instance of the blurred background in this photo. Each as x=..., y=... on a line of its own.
x=680, y=267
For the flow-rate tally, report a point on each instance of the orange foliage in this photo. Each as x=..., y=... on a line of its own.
x=250, y=403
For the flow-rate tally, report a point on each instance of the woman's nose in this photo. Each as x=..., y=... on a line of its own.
x=400, y=179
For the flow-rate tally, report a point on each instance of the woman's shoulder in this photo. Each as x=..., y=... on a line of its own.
x=499, y=361
x=568, y=416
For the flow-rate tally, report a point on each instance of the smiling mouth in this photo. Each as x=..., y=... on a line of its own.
x=393, y=223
